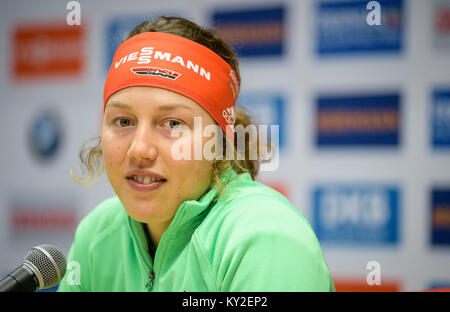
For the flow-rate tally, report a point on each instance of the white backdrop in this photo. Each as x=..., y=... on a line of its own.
x=299, y=76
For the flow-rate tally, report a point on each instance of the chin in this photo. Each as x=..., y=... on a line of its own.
x=145, y=211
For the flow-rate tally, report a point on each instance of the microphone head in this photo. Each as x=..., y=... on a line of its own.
x=48, y=263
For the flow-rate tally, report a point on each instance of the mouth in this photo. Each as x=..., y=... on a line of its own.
x=145, y=184
x=146, y=180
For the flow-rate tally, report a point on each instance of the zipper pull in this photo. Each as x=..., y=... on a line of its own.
x=150, y=280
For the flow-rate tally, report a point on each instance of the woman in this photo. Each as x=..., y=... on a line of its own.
x=189, y=223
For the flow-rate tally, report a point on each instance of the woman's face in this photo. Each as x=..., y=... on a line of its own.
x=137, y=148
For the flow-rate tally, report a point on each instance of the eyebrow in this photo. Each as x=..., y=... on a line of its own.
x=164, y=107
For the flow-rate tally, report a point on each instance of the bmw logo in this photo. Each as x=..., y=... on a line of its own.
x=45, y=135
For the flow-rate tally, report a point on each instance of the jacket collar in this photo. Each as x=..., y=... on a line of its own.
x=189, y=213
x=188, y=216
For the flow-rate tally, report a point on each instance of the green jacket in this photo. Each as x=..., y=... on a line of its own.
x=250, y=239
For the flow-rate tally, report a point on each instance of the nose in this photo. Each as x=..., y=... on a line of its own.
x=142, y=147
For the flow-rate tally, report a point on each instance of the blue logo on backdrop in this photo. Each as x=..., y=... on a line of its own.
x=117, y=30
x=440, y=216
x=254, y=32
x=435, y=285
x=266, y=109
x=45, y=135
x=358, y=120
x=342, y=27
x=356, y=214
x=439, y=284
x=440, y=119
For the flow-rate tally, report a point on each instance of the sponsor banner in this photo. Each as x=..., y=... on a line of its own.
x=266, y=109
x=116, y=32
x=40, y=218
x=253, y=32
x=441, y=25
x=343, y=27
x=439, y=286
x=440, y=119
x=358, y=120
x=343, y=284
x=45, y=135
x=440, y=216
x=47, y=50
x=356, y=214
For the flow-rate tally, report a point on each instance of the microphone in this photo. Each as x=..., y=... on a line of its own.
x=42, y=267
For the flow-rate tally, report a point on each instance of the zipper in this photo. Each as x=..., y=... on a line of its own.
x=151, y=277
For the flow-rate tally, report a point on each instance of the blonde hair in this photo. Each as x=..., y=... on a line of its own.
x=91, y=156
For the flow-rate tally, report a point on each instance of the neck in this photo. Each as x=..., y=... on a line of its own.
x=156, y=230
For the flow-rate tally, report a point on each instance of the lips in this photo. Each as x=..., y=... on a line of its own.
x=144, y=180
x=140, y=175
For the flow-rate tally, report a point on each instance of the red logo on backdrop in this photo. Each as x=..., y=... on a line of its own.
x=43, y=219
x=343, y=284
x=46, y=50
x=442, y=20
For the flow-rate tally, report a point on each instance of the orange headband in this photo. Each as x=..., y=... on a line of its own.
x=177, y=64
